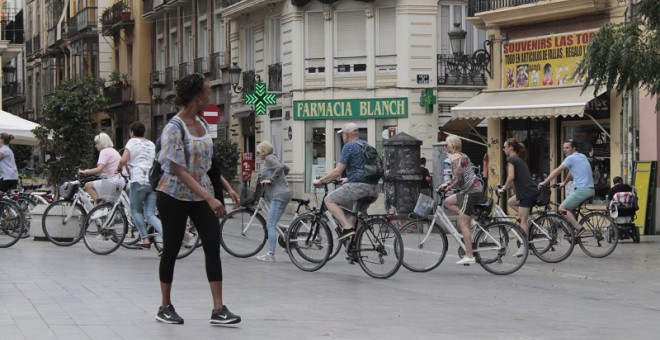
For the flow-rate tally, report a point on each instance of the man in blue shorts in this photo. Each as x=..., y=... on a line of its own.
x=355, y=186
x=580, y=172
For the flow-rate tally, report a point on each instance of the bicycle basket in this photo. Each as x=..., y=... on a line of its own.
x=68, y=189
x=110, y=190
x=544, y=196
x=423, y=206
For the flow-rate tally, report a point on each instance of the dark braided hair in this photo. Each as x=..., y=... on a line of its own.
x=188, y=88
x=518, y=148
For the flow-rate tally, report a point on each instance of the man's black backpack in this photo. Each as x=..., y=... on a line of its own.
x=373, y=165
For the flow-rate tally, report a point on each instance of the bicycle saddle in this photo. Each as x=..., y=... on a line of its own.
x=301, y=200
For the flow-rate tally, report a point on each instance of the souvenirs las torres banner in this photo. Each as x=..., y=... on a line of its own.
x=544, y=61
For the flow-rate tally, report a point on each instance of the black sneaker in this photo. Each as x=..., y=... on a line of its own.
x=223, y=317
x=167, y=314
x=346, y=233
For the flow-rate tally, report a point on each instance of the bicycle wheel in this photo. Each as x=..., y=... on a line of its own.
x=601, y=237
x=379, y=248
x=243, y=233
x=190, y=241
x=105, y=229
x=132, y=236
x=425, y=245
x=500, y=247
x=309, y=243
x=307, y=218
x=550, y=238
x=12, y=223
x=62, y=222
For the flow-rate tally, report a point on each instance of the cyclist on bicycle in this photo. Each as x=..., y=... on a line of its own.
x=518, y=176
x=355, y=186
x=470, y=191
x=580, y=170
x=8, y=169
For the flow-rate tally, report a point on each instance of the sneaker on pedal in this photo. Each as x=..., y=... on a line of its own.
x=167, y=314
x=467, y=260
x=520, y=252
x=346, y=233
x=223, y=317
x=99, y=213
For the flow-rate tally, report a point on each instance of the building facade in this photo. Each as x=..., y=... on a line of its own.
x=385, y=65
x=535, y=97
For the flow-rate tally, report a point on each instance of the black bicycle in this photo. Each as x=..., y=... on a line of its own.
x=376, y=245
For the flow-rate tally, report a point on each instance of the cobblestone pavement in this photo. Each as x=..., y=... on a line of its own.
x=49, y=292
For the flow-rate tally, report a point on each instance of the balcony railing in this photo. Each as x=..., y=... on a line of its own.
x=249, y=79
x=451, y=71
x=476, y=6
x=216, y=60
x=12, y=89
x=28, y=47
x=185, y=69
x=275, y=77
x=200, y=66
x=170, y=76
x=116, y=16
x=119, y=95
x=85, y=19
x=36, y=43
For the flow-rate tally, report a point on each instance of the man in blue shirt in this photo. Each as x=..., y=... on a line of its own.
x=355, y=186
x=580, y=172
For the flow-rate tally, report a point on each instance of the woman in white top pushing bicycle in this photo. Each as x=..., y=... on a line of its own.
x=470, y=190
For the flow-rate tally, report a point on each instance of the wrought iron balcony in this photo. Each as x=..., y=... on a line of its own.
x=200, y=66
x=215, y=62
x=227, y=3
x=459, y=70
x=476, y=6
x=119, y=95
x=275, y=77
x=116, y=17
x=249, y=79
x=185, y=69
x=28, y=47
x=85, y=21
x=12, y=89
x=170, y=76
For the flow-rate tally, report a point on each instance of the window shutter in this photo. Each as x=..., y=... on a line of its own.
x=387, y=31
x=315, y=35
x=351, y=30
x=443, y=29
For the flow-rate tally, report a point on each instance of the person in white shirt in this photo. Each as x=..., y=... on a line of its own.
x=105, y=166
x=138, y=156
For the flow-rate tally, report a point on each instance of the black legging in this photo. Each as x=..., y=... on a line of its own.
x=174, y=214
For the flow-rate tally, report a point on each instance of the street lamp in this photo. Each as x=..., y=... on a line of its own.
x=157, y=91
x=235, y=76
x=465, y=66
x=29, y=114
x=9, y=72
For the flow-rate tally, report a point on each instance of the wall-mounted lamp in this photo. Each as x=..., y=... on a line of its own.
x=157, y=90
x=235, y=77
x=9, y=72
x=29, y=114
x=465, y=66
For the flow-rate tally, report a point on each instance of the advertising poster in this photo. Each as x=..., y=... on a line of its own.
x=544, y=61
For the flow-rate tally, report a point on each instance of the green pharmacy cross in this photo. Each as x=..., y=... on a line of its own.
x=260, y=98
x=427, y=100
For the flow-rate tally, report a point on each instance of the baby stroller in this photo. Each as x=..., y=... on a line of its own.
x=623, y=209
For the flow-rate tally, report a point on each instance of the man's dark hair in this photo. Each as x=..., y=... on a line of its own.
x=617, y=180
x=573, y=143
x=422, y=161
x=138, y=129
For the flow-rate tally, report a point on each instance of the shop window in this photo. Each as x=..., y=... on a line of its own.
x=594, y=143
x=534, y=134
x=315, y=152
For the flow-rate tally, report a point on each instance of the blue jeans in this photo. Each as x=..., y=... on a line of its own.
x=143, y=197
x=274, y=213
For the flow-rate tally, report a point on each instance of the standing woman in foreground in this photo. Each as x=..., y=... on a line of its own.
x=185, y=190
